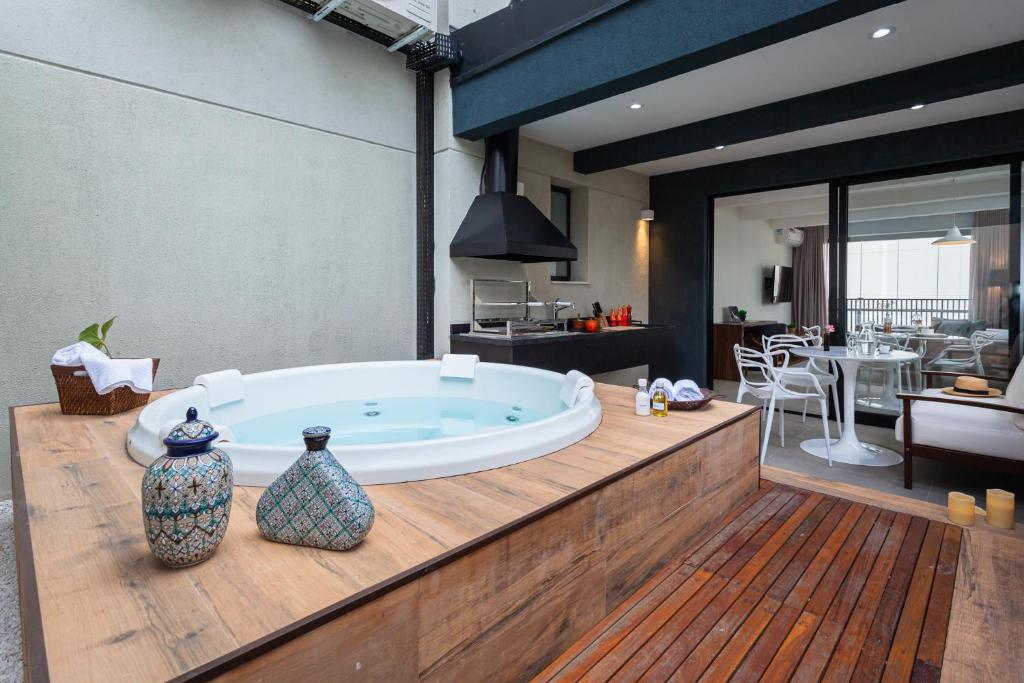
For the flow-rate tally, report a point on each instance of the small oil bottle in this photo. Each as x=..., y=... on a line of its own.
x=643, y=399
x=659, y=403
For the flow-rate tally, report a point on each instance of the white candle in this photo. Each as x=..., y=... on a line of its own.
x=960, y=508
x=999, y=508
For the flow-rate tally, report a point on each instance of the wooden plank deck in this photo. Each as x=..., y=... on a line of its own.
x=797, y=585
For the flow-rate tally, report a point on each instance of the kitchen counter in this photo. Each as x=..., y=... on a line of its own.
x=613, y=348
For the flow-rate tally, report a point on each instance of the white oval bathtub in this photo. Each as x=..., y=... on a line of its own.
x=391, y=421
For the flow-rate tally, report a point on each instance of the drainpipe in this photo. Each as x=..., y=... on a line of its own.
x=424, y=214
x=426, y=58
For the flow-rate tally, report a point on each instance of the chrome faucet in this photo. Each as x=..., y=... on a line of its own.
x=558, y=306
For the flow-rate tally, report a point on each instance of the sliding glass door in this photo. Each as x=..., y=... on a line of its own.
x=929, y=264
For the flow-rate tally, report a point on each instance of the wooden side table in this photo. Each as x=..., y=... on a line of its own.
x=726, y=335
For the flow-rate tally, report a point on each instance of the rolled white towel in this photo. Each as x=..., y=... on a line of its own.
x=72, y=355
x=106, y=373
x=663, y=383
x=687, y=390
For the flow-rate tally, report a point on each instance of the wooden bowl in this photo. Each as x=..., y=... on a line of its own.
x=694, y=405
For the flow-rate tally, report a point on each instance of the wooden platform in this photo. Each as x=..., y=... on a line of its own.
x=797, y=586
x=486, y=576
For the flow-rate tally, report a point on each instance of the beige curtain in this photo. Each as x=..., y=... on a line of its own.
x=810, y=278
x=990, y=267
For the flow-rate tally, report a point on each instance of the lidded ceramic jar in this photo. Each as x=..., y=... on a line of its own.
x=186, y=495
x=315, y=502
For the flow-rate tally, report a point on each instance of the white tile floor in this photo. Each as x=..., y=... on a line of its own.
x=932, y=480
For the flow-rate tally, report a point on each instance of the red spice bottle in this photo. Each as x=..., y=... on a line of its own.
x=629, y=314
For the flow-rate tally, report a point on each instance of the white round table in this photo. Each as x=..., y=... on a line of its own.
x=848, y=448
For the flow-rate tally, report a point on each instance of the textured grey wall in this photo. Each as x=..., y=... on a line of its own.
x=230, y=208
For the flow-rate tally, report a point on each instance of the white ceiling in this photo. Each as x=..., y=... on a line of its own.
x=925, y=31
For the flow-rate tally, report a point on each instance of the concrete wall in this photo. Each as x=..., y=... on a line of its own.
x=236, y=184
x=743, y=251
x=232, y=181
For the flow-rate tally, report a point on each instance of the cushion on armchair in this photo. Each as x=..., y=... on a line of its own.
x=1015, y=395
x=964, y=428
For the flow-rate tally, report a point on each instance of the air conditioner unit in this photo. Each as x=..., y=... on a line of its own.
x=394, y=18
x=791, y=237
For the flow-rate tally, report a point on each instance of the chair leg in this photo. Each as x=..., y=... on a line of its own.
x=899, y=385
x=908, y=470
x=782, y=423
x=824, y=423
x=803, y=418
x=767, y=427
x=835, y=402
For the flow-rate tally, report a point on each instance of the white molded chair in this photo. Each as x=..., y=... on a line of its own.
x=776, y=384
x=826, y=372
x=964, y=356
x=893, y=372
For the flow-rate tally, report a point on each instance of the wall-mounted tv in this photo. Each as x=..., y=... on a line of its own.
x=778, y=286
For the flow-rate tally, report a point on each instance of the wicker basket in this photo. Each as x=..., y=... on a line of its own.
x=78, y=397
x=694, y=405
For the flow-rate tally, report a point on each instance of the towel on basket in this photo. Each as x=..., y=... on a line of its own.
x=683, y=390
x=106, y=373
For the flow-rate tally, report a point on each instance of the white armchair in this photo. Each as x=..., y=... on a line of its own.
x=986, y=433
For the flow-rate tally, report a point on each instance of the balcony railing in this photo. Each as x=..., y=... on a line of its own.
x=904, y=311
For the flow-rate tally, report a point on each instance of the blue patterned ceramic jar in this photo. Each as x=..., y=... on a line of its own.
x=315, y=502
x=186, y=495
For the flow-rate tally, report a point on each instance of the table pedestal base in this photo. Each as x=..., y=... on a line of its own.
x=856, y=453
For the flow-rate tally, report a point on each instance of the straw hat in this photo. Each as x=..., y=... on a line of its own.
x=972, y=387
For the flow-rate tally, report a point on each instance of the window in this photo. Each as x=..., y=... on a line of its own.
x=561, y=271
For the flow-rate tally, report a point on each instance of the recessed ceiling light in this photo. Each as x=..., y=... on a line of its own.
x=881, y=32
x=917, y=106
x=636, y=105
x=720, y=147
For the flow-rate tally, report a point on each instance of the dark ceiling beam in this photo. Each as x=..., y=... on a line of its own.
x=624, y=47
x=944, y=143
x=970, y=74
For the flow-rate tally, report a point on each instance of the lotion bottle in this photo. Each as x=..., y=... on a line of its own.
x=643, y=399
x=659, y=403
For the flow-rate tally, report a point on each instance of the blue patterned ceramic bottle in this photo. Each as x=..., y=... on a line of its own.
x=315, y=502
x=186, y=495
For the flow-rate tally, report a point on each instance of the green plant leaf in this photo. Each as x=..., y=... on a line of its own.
x=90, y=333
x=95, y=341
x=106, y=327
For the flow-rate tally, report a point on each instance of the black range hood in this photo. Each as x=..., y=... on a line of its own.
x=502, y=225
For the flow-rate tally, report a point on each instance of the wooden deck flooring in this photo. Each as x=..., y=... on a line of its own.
x=796, y=585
